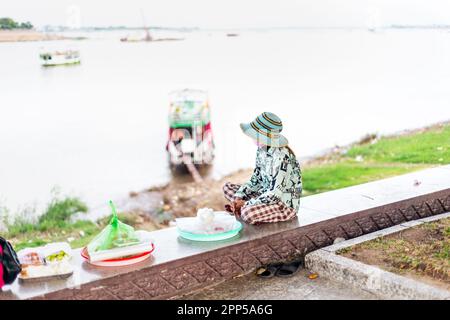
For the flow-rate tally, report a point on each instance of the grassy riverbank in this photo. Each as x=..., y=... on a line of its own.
x=55, y=224
x=422, y=253
x=377, y=158
x=372, y=159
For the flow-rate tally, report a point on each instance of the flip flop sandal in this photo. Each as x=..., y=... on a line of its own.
x=289, y=269
x=268, y=271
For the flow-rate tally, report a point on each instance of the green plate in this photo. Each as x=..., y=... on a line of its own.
x=211, y=237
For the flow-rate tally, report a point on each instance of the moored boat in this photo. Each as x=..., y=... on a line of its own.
x=190, y=134
x=56, y=58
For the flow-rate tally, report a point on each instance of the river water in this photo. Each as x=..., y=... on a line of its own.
x=98, y=130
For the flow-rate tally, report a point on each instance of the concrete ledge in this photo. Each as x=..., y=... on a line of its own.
x=179, y=266
x=373, y=279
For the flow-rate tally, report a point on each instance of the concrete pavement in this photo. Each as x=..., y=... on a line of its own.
x=298, y=287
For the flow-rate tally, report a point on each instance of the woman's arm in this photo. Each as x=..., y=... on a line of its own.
x=251, y=186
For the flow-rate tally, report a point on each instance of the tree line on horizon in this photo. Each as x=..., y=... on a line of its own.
x=9, y=24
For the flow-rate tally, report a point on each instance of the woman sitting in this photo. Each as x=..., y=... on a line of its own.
x=273, y=192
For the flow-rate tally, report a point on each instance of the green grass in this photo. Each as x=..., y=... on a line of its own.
x=53, y=225
x=424, y=249
x=347, y=173
x=389, y=156
x=57, y=216
x=431, y=147
x=38, y=238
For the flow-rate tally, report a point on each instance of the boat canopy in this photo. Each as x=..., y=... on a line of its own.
x=188, y=108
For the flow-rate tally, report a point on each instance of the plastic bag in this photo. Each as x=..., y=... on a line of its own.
x=9, y=261
x=144, y=246
x=221, y=222
x=115, y=235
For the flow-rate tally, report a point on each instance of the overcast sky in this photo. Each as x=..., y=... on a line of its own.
x=229, y=13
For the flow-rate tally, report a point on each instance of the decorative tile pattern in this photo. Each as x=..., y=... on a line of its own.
x=351, y=229
x=128, y=291
x=87, y=294
x=423, y=210
x=154, y=285
x=320, y=239
x=335, y=232
x=245, y=260
x=382, y=220
x=302, y=244
x=202, y=272
x=435, y=206
x=446, y=203
x=179, y=278
x=225, y=266
x=410, y=213
x=265, y=254
x=366, y=224
x=283, y=248
x=396, y=216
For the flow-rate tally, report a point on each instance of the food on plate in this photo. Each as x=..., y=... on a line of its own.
x=205, y=215
x=58, y=256
x=115, y=235
x=31, y=259
x=118, y=240
x=207, y=222
x=49, y=270
x=51, y=260
x=145, y=244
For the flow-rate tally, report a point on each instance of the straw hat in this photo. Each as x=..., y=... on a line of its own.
x=265, y=129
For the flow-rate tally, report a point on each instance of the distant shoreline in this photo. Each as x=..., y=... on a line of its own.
x=24, y=35
x=19, y=35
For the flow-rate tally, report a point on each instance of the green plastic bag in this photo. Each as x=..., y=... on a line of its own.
x=115, y=235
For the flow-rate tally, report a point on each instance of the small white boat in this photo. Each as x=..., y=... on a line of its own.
x=56, y=58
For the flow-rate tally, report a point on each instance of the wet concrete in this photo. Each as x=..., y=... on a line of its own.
x=298, y=287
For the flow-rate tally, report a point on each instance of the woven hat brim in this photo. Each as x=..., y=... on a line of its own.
x=280, y=141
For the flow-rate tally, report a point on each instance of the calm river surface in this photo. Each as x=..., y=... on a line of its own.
x=98, y=130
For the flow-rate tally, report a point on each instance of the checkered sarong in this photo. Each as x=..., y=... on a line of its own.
x=274, y=211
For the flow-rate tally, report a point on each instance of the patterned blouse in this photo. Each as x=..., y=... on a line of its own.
x=277, y=176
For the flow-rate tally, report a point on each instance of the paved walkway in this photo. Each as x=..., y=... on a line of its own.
x=299, y=287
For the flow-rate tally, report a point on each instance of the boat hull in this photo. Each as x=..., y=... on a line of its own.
x=60, y=60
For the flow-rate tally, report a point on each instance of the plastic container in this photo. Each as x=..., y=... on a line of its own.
x=49, y=262
x=212, y=237
x=221, y=222
x=116, y=253
x=223, y=226
x=120, y=262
